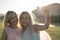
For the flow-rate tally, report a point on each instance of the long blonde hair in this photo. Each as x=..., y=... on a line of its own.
x=7, y=18
x=30, y=23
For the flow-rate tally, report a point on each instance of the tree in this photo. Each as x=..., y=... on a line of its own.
x=55, y=19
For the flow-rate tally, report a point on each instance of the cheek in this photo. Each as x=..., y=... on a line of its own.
x=21, y=21
x=27, y=22
x=14, y=20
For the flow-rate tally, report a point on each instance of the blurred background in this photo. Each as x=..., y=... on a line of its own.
x=37, y=9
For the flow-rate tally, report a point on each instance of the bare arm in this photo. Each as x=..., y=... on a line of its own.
x=4, y=35
x=43, y=27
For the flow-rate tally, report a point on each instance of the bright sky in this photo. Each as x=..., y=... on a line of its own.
x=23, y=5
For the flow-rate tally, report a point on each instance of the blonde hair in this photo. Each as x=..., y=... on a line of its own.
x=7, y=18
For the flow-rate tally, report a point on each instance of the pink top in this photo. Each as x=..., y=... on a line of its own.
x=13, y=34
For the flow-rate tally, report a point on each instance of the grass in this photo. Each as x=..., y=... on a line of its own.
x=1, y=27
x=53, y=31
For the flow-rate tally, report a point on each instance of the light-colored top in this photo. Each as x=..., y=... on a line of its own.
x=13, y=34
x=30, y=34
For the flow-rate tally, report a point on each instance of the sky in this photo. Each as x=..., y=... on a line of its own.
x=23, y=5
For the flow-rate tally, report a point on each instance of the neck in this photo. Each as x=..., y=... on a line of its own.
x=24, y=28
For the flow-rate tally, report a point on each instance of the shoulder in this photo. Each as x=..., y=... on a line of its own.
x=6, y=29
x=35, y=27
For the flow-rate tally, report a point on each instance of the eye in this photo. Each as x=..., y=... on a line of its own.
x=15, y=16
x=12, y=18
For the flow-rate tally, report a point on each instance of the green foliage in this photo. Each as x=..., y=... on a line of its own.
x=55, y=19
x=1, y=28
x=1, y=17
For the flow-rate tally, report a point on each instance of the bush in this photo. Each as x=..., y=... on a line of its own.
x=55, y=19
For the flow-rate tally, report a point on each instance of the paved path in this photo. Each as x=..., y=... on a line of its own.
x=44, y=35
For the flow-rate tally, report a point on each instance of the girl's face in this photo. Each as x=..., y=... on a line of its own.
x=13, y=19
x=25, y=20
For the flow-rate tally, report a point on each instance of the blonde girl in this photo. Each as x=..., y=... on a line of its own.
x=31, y=31
x=11, y=30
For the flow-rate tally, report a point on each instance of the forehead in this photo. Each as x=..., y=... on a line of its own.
x=25, y=15
x=13, y=14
